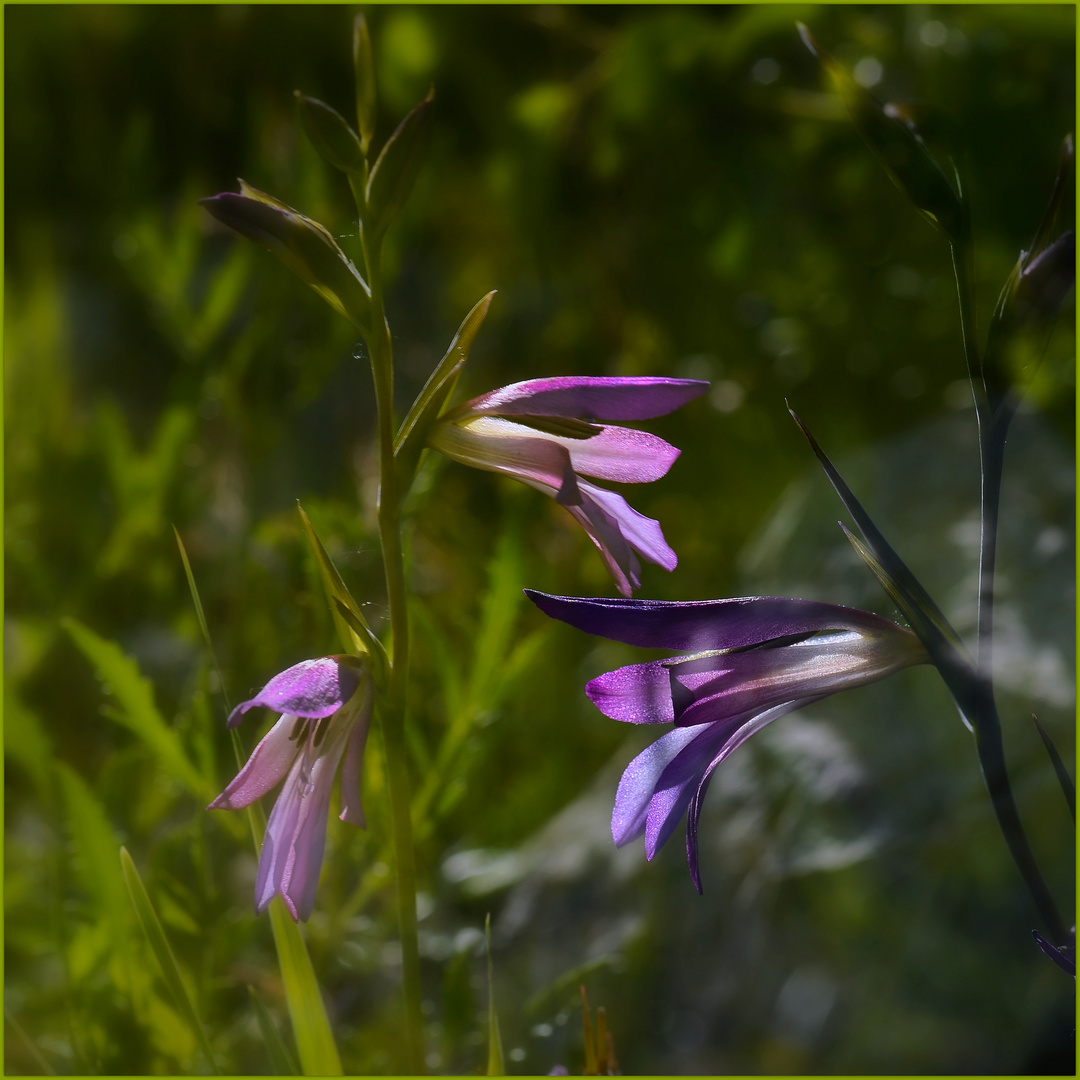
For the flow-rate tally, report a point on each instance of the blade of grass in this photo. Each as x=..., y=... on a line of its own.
x=311, y=1026
x=25, y=1039
x=159, y=944
x=281, y=1060
x=1064, y=779
x=200, y=614
x=496, y=1064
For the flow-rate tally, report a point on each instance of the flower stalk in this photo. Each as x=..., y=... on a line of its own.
x=392, y=712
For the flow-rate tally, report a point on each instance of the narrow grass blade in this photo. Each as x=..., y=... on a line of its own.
x=281, y=1060
x=155, y=935
x=496, y=1064
x=137, y=711
x=1064, y=779
x=25, y=1039
x=591, y=1065
x=311, y=1026
x=355, y=634
x=199, y=612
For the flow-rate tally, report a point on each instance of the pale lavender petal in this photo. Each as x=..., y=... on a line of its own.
x=637, y=694
x=700, y=625
x=292, y=851
x=265, y=769
x=277, y=841
x=676, y=784
x=352, y=810
x=643, y=534
x=638, y=784
x=589, y=397
x=512, y=449
x=605, y=532
x=312, y=688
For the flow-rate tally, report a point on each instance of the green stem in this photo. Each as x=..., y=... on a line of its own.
x=393, y=711
x=981, y=707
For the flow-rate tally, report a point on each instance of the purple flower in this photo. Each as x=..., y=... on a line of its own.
x=326, y=708
x=548, y=433
x=751, y=660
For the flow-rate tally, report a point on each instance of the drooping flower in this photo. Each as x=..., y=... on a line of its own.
x=751, y=660
x=325, y=707
x=549, y=433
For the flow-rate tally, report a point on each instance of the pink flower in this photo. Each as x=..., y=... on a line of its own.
x=326, y=709
x=548, y=433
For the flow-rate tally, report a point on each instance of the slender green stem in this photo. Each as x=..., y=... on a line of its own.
x=393, y=711
x=983, y=708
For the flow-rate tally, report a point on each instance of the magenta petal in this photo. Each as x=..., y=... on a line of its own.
x=638, y=784
x=637, y=694
x=700, y=625
x=312, y=688
x=591, y=397
x=264, y=770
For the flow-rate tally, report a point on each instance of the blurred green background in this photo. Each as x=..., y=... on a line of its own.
x=652, y=190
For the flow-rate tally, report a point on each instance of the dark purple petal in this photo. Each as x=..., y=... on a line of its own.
x=639, y=782
x=1060, y=956
x=591, y=397
x=702, y=625
x=265, y=769
x=637, y=694
x=312, y=688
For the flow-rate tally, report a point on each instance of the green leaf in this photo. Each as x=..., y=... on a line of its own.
x=496, y=1064
x=26, y=740
x=395, y=170
x=331, y=135
x=365, y=81
x=1062, y=773
x=354, y=632
x=412, y=435
x=159, y=944
x=137, y=711
x=311, y=1026
x=892, y=136
x=281, y=1059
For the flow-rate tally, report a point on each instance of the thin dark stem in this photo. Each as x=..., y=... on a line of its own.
x=984, y=714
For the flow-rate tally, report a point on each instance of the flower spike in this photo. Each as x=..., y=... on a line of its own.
x=550, y=433
x=325, y=707
x=752, y=660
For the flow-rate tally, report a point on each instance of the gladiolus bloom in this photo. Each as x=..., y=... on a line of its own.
x=325, y=708
x=750, y=661
x=548, y=433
